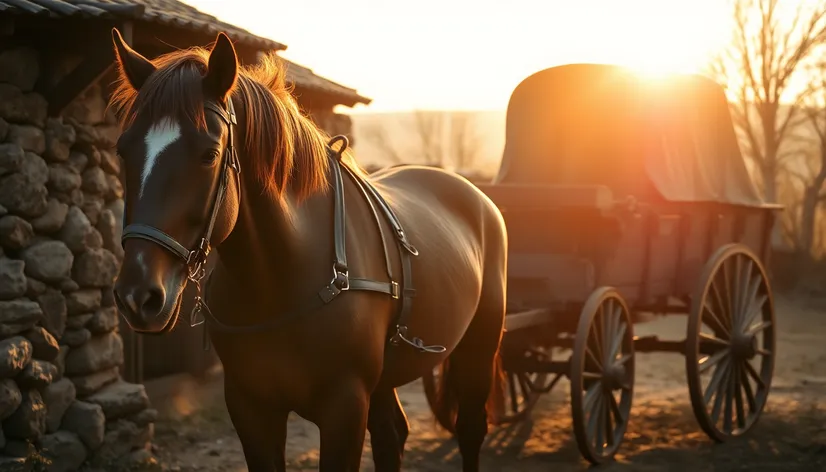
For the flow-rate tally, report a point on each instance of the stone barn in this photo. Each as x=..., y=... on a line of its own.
x=68, y=366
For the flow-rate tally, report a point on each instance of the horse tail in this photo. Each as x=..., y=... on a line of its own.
x=445, y=407
x=496, y=397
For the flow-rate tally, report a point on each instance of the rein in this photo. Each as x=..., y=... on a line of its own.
x=195, y=259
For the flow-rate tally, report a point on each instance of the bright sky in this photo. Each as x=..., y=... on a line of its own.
x=470, y=54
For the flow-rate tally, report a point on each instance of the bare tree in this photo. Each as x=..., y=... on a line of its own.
x=430, y=128
x=810, y=170
x=442, y=139
x=377, y=135
x=465, y=143
x=759, y=66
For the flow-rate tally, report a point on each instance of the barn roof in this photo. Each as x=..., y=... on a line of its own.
x=176, y=14
x=165, y=12
x=307, y=79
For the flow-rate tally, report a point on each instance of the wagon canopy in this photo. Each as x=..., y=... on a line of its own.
x=594, y=124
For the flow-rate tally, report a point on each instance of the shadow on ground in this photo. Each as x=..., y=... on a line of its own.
x=786, y=439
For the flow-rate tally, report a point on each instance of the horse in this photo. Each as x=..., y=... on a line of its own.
x=217, y=155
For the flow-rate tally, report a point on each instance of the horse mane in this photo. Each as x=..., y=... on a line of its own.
x=284, y=147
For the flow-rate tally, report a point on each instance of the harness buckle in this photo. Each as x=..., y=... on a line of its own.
x=341, y=279
x=395, y=290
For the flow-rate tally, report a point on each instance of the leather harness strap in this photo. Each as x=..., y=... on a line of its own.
x=341, y=281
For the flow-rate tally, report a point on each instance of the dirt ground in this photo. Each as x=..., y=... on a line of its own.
x=194, y=431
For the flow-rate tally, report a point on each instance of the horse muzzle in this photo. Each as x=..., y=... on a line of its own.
x=148, y=288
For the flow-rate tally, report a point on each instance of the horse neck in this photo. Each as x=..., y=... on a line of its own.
x=278, y=247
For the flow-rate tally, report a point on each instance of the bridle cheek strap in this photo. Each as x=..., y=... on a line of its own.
x=195, y=259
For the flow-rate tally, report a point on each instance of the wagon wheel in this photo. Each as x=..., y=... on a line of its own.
x=731, y=337
x=602, y=375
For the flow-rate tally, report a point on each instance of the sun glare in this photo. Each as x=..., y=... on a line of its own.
x=470, y=54
x=658, y=38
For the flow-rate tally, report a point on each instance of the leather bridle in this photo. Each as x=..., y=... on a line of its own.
x=195, y=259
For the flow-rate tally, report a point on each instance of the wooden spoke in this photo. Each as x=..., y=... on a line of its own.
x=755, y=309
x=710, y=361
x=619, y=416
x=734, y=299
x=750, y=400
x=715, y=322
x=713, y=339
x=738, y=398
x=758, y=327
x=717, y=379
x=624, y=359
x=602, y=375
x=593, y=358
x=753, y=373
x=721, y=313
x=729, y=389
x=752, y=303
x=618, y=337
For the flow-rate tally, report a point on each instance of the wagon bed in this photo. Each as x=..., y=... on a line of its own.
x=625, y=198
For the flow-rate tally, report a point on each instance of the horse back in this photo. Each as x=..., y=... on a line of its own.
x=439, y=210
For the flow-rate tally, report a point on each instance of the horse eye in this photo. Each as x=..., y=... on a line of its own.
x=211, y=155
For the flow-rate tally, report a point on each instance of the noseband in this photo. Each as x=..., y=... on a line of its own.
x=195, y=259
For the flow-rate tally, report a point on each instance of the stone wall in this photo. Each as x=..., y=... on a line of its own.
x=60, y=214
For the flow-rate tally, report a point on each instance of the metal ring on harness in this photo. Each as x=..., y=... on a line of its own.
x=345, y=143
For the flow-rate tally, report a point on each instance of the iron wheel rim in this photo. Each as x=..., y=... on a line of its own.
x=734, y=301
x=595, y=408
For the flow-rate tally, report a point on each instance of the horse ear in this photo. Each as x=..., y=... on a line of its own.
x=222, y=68
x=134, y=66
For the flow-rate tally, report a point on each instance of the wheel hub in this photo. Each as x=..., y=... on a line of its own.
x=614, y=377
x=744, y=346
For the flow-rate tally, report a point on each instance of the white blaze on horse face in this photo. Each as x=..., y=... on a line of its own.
x=158, y=138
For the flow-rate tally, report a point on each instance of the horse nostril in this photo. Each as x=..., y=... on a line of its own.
x=151, y=302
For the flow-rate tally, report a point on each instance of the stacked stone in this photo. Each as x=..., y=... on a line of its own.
x=60, y=214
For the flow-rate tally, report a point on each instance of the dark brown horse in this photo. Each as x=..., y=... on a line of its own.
x=220, y=156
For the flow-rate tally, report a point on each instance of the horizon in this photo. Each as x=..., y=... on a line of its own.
x=470, y=55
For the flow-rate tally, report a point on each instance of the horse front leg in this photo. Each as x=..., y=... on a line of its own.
x=342, y=423
x=262, y=429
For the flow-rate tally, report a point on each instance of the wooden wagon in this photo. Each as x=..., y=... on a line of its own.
x=626, y=198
